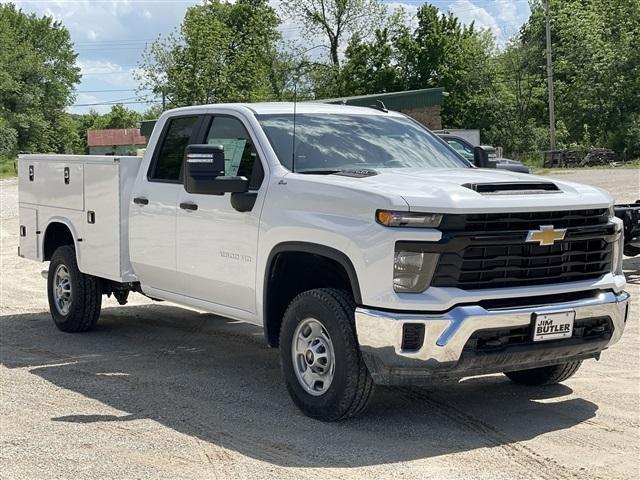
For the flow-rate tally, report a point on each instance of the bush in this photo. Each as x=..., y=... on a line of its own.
x=8, y=141
x=8, y=168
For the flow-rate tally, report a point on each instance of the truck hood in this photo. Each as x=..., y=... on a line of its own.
x=449, y=190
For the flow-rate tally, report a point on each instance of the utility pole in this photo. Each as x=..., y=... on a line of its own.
x=164, y=100
x=552, y=113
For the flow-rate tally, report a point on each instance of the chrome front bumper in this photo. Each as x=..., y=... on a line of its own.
x=442, y=353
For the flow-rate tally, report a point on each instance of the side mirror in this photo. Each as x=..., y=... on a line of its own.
x=484, y=157
x=204, y=172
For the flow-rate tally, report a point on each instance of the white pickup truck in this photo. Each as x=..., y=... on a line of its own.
x=367, y=249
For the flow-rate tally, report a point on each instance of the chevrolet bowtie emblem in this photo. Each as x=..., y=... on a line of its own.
x=546, y=235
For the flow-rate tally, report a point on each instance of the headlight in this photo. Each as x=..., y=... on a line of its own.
x=389, y=218
x=412, y=271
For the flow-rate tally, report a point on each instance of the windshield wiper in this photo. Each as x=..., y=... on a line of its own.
x=347, y=172
x=318, y=171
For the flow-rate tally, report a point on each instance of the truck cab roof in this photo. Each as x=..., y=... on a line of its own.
x=266, y=108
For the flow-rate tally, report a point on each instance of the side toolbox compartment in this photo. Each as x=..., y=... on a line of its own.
x=101, y=245
x=51, y=183
x=28, y=233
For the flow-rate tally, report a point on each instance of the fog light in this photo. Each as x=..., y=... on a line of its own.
x=412, y=336
x=412, y=271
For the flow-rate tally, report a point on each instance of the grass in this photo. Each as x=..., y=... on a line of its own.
x=633, y=164
x=8, y=168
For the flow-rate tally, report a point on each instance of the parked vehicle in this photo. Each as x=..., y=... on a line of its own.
x=630, y=215
x=368, y=251
x=470, y=136
x=463, y=147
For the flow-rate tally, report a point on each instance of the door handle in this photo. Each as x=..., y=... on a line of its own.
x=188, y=206
x=141, y=201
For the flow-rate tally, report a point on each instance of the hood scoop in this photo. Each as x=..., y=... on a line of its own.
x=513, y=188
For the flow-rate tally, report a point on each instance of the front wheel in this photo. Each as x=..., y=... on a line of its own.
x=545, y=375
x=321, y=362
x=75, y=298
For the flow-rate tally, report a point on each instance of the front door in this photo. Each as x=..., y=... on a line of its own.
x=152, y=219
x=217, y=244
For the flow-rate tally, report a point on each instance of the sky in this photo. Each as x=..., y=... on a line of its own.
x=110, y=36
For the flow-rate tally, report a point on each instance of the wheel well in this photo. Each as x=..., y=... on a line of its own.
x=56, y=235
x=290, y=273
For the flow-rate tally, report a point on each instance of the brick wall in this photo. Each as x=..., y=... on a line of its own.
x=428, y=116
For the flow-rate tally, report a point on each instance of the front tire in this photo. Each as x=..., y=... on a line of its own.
x=75, y=298
x=545, y=375
x=321, y=362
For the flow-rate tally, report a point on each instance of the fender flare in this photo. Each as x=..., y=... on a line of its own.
x=316, y=249
x=74, y=234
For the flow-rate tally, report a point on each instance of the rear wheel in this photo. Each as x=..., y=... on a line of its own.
x=545, y=375
x=321, y=362
x=75, y=298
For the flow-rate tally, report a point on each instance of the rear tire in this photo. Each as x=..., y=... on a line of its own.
x=75, y=298
x=317, y=337
x=545, y=375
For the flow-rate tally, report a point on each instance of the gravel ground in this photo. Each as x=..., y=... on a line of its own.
x=161, y=392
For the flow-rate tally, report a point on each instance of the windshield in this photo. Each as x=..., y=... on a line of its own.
x=330, y=142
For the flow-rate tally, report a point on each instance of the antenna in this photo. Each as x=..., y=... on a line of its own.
x=379, y=106
x=293, y=149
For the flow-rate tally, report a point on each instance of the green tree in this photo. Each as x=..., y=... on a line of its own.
x=440, y=52
x=336, y=20
x=596, y=58
x=518, y=99
x=38, y=73
x=119, y=117
x=371, y=67
x=222, y=52
x=8, y=139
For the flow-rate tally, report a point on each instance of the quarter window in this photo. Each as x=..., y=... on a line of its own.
x=168, y=162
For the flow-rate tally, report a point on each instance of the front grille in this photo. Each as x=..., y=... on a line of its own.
x=496, y=265
x=523, y=221
x=490, y=250
x=486, y=341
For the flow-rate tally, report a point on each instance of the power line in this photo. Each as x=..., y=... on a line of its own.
x=116, y=103
x=108, y=90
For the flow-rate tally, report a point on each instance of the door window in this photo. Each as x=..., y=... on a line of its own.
x=240, y=156
x=168, y=162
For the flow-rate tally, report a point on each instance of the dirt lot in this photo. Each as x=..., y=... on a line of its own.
x=161, y=392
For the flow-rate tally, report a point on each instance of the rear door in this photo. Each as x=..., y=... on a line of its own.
x=217, y=244
x=152, y=228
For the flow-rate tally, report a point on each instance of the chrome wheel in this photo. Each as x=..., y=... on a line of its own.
x=313, y=357
x=62, y=289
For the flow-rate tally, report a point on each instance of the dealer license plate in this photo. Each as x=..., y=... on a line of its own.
x=552, y=326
